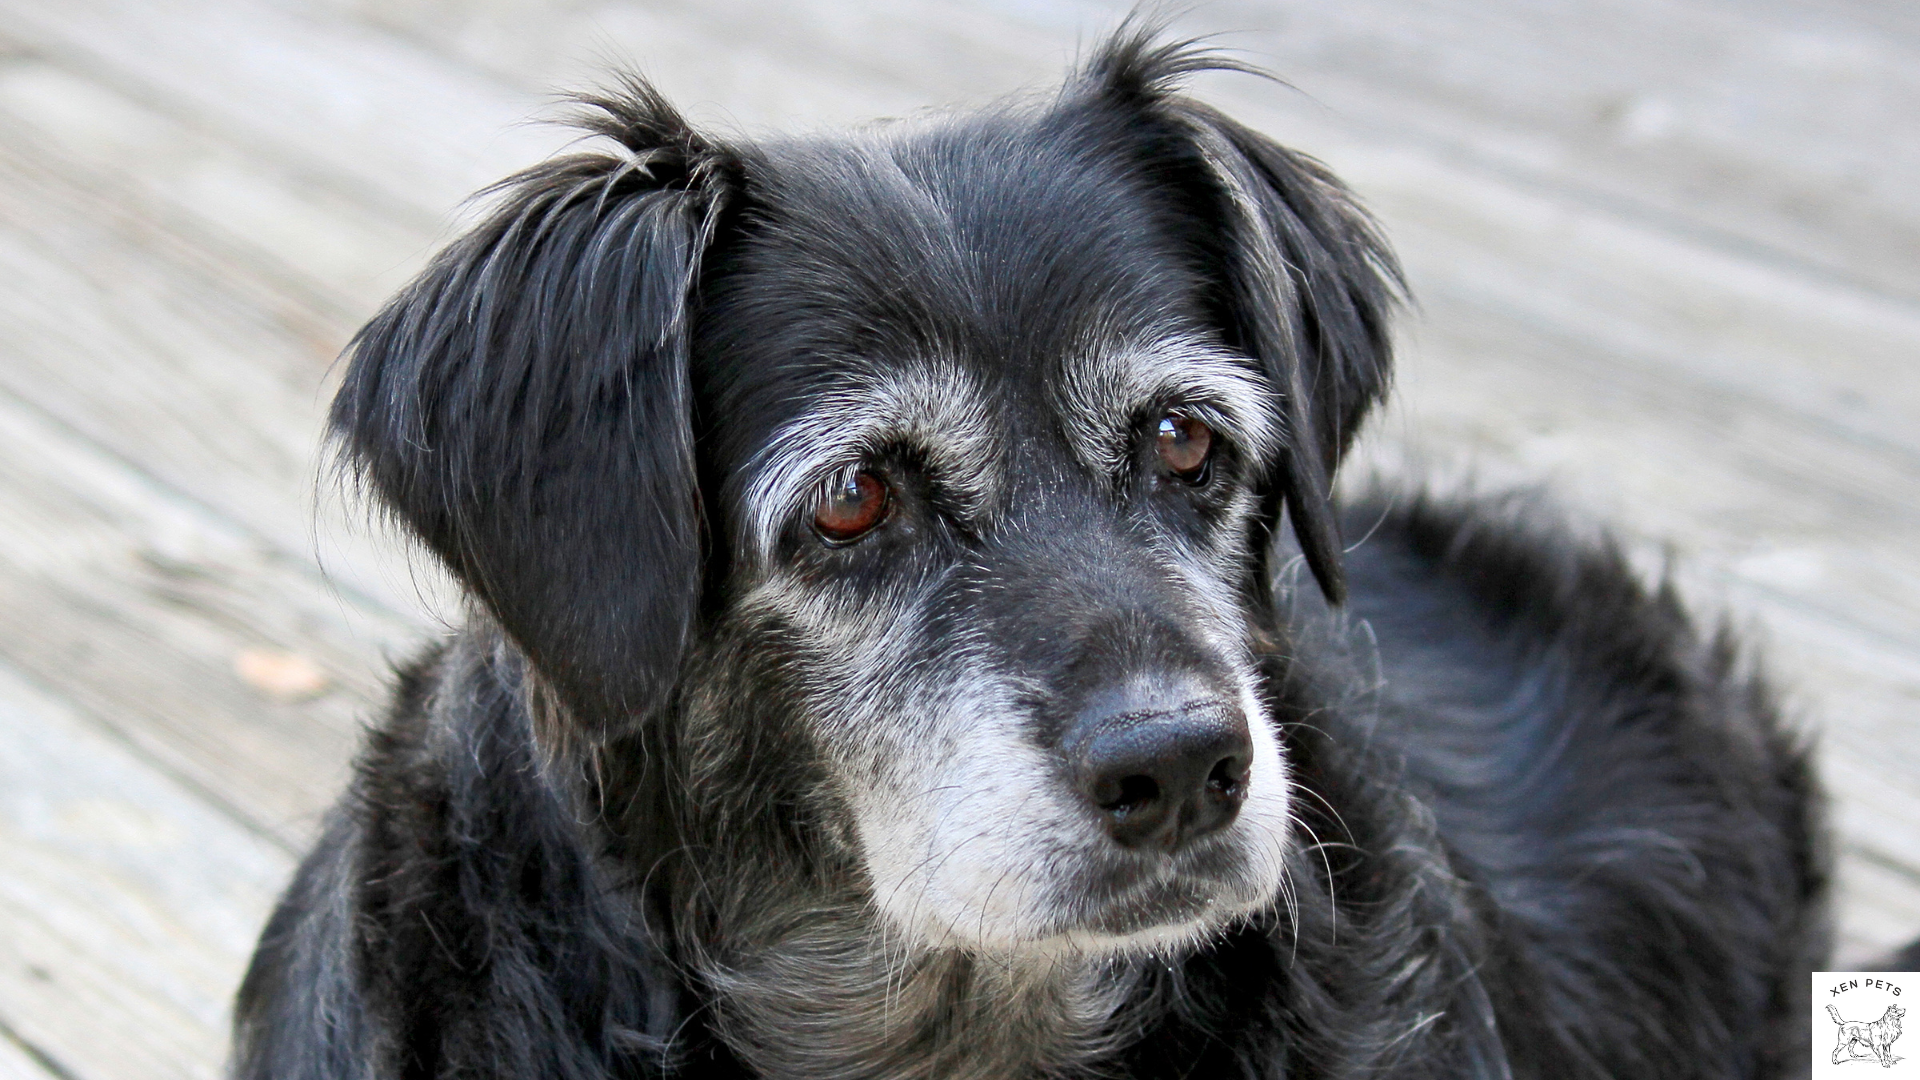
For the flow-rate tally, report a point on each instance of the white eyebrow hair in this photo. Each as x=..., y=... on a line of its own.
x=1105, y=391
x=932, y=407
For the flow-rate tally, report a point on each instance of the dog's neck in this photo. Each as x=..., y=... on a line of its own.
x=831, y=994
x=810, y=982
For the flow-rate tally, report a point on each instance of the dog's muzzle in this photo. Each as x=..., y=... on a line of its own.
x=1158, y=777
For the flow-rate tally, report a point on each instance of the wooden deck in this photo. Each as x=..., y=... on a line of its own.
x=1667, y=253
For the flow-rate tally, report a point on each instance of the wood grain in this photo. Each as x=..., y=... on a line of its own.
x=129, y=905
x=136, y=315
x=389, y=122
x=1769, y=128
x=337, y=255
x=1775, y=129
x=139, y=602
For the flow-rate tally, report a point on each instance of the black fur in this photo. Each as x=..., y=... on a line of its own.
x=1545, y=829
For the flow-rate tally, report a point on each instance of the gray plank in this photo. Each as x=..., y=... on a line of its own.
x=327, y=247
x=1834, y=355
x=128, y=907
x=199, y=358
x=1735, y=481
x=1671, y=111
x=404, y=128
x=743, y=63
x=159, y=414
x=141, y=604
x=1879, y=901
x=117, y=954
x=1779, y=129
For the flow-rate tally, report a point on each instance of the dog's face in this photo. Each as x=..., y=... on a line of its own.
x=992, y=502
x=922, y=480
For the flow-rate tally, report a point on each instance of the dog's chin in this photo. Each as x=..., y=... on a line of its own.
x=1165, y=920
x=1119, y=907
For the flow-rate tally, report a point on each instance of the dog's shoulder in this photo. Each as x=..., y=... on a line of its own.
x=461, y=903
x=302, y=1013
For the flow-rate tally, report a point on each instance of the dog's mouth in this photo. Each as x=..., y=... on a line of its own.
x=1100, y=900
x=1147, y=902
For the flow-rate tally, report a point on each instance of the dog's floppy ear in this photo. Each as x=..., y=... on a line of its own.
x=1307, y=282
x=523, y=406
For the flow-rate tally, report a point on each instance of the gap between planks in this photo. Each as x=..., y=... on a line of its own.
x=21, y=1061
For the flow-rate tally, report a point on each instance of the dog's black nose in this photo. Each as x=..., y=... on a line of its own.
x=1161, y=777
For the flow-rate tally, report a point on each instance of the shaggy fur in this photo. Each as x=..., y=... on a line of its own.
x=701, y=790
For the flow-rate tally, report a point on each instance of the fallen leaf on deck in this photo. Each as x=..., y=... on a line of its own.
x=283, y=676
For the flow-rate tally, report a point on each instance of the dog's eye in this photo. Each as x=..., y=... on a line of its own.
x=851, y=507
x=1185, y=445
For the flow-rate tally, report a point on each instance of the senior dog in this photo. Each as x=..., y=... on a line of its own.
x=887, y=658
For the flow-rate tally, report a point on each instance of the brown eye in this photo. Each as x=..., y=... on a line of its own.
x=1184, y=445
x=851, y=507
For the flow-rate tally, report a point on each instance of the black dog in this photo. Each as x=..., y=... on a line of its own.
x=885, y=661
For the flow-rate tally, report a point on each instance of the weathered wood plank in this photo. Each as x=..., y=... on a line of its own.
x=1737, y=483
x=1879, y=900
x=339, y=255
x=140, y=607
x=803, y=64
x=1677, y=112
x=128, y=906
x=1832, y=354
x=1770, y=128
x=315, y=92
x=175, y=349
x=161, y=438
x=140, y=604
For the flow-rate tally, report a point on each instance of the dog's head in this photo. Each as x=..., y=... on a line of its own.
x=927, y=475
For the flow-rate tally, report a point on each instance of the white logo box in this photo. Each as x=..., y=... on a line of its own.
x=1863, y=1025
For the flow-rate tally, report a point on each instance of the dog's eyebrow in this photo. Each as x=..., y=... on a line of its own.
x=933, y=408
x=1104, y=392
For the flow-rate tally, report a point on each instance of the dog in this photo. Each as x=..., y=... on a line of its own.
x=1859, y=1039
x=912, y=636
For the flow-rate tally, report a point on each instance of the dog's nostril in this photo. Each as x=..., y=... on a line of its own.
x=1128, y=795
x=1228, y=778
